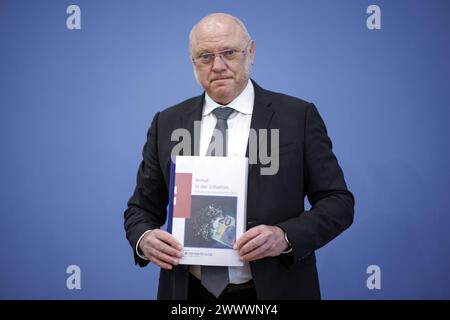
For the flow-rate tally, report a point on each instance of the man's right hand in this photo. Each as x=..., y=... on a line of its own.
x=161, y=248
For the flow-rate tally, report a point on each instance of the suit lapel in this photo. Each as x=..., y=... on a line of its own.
x=261, y=117
x=190, y=120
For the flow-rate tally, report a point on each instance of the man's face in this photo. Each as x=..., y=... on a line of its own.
x=222, y=78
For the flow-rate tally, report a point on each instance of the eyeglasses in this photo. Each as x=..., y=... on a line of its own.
x=228, y=55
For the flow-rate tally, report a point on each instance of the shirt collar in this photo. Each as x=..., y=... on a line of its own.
x=242, y=103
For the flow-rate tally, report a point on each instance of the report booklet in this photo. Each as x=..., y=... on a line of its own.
x=207, y=204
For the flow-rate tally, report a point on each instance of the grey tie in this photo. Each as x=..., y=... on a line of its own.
x=215, y=278
x=220, y=132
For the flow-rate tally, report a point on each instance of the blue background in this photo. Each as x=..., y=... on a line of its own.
x=75, y=106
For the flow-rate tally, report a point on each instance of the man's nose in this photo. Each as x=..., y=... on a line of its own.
x=218, y=63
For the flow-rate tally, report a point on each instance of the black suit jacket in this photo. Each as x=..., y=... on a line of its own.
x=307, y=167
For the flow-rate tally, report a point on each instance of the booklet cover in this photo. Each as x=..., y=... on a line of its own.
x=207, y=203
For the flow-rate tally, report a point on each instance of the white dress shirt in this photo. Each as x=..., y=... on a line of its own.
x=238, y=132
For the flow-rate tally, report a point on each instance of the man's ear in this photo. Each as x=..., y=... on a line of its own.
x=252, y=52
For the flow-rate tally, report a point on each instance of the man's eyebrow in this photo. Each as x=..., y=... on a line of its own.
x=223, y=48
x=203, y=51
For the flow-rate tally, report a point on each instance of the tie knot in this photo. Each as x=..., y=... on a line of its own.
x=222, y=113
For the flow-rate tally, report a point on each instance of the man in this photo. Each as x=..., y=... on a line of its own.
x=278, y=246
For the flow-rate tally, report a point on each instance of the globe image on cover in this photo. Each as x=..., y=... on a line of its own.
x=212, y=223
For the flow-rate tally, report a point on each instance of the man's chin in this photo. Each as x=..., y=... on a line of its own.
x=222, y=97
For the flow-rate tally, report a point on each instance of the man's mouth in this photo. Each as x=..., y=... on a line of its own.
x=219, y=79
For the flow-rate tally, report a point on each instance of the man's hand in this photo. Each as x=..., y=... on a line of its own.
x=260, y=242
x=161, y=248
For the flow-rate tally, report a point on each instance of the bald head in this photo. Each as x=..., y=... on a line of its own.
x=222, y=53
x=221, y=24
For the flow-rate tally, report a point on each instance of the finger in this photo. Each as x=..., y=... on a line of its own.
x=258, y=253
x=169, y=239
x=161, y=264
x=153, y=242
x=167, y=249
x=252, y=244
x=161, y=256
x=247, y=236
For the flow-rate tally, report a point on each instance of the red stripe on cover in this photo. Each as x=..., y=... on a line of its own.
x=182, y=195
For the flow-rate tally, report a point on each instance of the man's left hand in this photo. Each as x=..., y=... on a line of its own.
x=260, y=242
